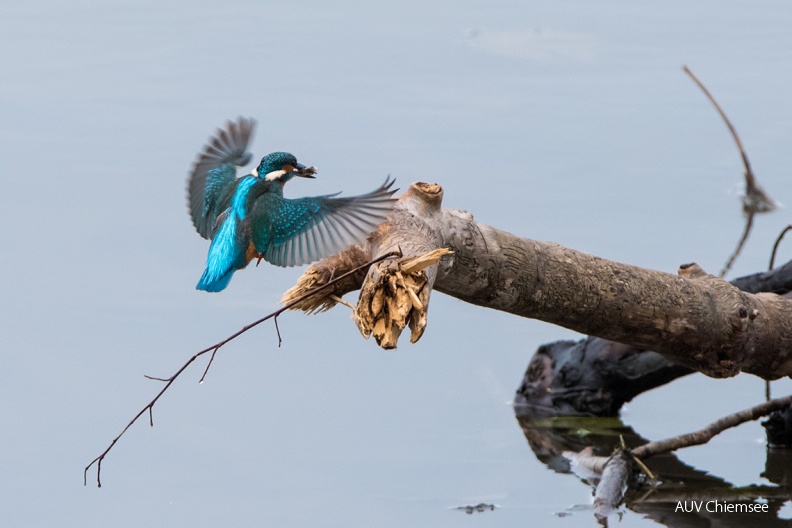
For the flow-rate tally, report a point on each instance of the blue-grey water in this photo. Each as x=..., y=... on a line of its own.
x=565, y=121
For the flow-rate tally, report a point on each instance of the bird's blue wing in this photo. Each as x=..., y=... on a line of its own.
x=213, y=178
x=304, y=230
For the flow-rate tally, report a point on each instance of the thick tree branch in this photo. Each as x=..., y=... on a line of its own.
x=695, y=319
x=595, y=377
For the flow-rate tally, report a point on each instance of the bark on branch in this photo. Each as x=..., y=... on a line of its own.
x=693, y=318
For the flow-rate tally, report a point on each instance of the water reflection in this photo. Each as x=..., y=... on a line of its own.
x=684, y=497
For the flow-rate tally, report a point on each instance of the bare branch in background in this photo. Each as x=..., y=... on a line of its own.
x=756, y=199
x=775, y=246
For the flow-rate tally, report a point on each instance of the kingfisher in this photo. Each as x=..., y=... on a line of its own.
x=248, y=217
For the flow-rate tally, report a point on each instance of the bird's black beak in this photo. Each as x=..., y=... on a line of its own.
x=304, y=172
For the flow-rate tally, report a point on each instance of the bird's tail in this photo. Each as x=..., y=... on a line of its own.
x=211, y=282
x=226, y=256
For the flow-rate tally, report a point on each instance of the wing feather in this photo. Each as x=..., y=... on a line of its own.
x=305, y=230
x=213, y=178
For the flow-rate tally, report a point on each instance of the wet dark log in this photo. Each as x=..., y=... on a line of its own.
x=592, y=377
x=778, y=428
x=778, y=280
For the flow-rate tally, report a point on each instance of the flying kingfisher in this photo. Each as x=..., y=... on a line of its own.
x=249, y=218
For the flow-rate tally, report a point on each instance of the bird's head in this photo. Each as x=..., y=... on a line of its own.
x=282, y=167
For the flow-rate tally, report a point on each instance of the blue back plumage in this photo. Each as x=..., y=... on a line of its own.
x=229, y=246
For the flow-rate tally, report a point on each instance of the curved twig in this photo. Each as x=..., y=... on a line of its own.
x=775, y=246
x=749, y=177
x=213, y=348
x=755, y=199
x=749, y=216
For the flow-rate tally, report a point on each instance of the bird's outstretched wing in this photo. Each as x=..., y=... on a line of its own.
x=304, y=230
x=213, y=178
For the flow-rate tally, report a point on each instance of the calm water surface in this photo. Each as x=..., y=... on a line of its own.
x=569, y=122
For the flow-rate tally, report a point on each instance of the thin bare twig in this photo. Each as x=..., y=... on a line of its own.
x=755, y=199
x=214, y=348
x=749, y=216
x=775, y=246
x=209, y=364
x=277, y=330
x=746, y=163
